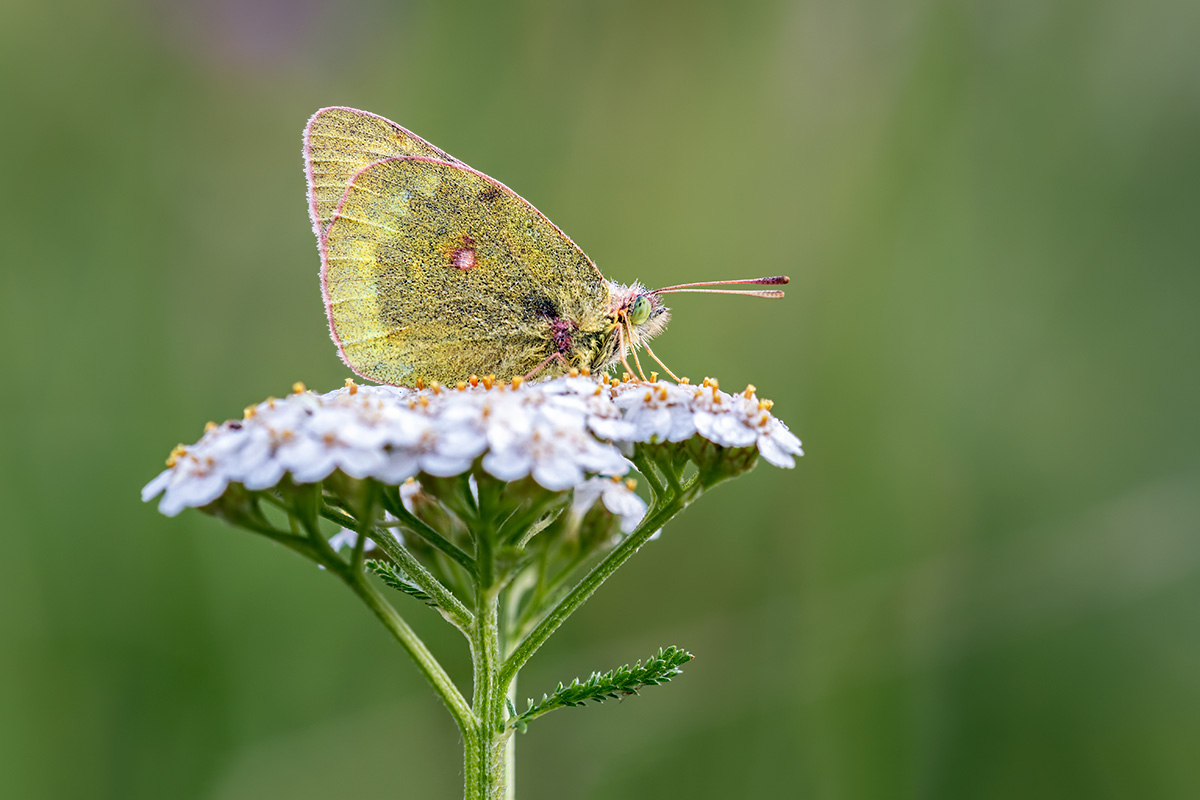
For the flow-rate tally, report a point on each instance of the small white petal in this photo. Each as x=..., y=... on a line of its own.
x=612, y=428
x=557, y=475
x=155, y=487
x=398, y=468
x=344, y=538
x=586, y=494
x=724, y=429
x=197, y=491
x=266, y=475
x=358, y=463
x=774, y=454
x=310, y=462
x=459, y=443
x=778, y=445
x=408, y=490
x=406, y=428
x=652, y=424
x=625, y=504
x=508, y=466
x=683, y=425
x=444, y=466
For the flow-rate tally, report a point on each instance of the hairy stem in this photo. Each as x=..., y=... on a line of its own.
x=486, y=756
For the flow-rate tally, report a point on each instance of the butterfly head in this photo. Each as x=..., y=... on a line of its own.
x=639, y=311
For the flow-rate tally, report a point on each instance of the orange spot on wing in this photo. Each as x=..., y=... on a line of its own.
x=463, y=257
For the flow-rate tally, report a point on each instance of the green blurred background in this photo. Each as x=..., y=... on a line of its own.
x=982, y=581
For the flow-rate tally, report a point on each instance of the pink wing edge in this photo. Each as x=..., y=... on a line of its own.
x=323, y=246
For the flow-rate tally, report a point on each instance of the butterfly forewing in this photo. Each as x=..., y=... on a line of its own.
x=339, y=143
x=434, y=271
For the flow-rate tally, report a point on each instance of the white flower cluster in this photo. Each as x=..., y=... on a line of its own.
x=559, y=432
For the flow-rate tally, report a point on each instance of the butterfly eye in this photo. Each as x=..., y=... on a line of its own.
x=639, y=312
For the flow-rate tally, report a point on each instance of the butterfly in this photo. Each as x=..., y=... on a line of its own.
x=433, y=272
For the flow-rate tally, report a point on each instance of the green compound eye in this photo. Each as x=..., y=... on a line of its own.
x=639, y=312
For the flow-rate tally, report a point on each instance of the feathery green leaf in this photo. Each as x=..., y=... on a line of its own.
x=390, y=575
x=620, y=682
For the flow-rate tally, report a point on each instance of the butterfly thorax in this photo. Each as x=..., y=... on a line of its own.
x=596, y=338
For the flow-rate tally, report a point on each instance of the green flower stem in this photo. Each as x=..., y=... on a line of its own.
x=665, y=507
x=649, y=471
x=486, y=760
x=425, y=661
x=360, y=547
x=486, y=757
x=298, y=544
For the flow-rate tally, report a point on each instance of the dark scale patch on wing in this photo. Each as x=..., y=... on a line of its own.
x=489, y=194
x=562, y=329
x=541, y=306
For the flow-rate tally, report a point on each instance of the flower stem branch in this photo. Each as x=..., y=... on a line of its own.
x=418, y=526
x=298, y=544
x=649, y=471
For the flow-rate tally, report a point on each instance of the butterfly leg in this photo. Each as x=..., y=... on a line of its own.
x=633, y=349
x=660, y=363
x=621, y=346
x=529, y=375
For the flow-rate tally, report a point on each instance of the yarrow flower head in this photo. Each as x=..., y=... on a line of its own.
x=558, y=434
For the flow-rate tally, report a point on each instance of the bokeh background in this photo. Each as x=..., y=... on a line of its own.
x=982, y=581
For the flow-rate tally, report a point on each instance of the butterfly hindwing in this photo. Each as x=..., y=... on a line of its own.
x=433, y=271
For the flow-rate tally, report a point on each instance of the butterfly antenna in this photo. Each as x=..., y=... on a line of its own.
x=774, y=280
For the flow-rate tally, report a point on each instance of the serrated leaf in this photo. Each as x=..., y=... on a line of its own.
x=620, y=682
x=390, y=575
